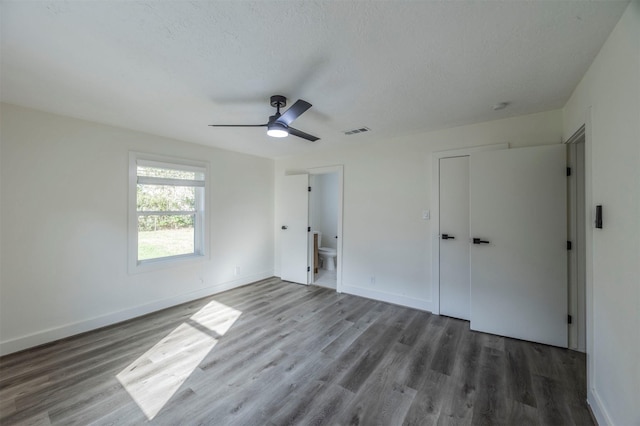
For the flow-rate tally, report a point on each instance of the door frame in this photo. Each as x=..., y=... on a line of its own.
x=577, y=226
x=435, y=211
x=339, y=169
x=587, y=123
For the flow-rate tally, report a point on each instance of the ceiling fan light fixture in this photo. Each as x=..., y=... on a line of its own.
x=278, y=124
x=277, y=130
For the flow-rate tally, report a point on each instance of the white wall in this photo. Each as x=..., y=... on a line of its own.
x=386, y=188
x=608, y=101
x=64, y=227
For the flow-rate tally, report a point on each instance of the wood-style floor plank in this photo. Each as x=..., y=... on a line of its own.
x=458, y=409
x=384, y=391
x=276, y=353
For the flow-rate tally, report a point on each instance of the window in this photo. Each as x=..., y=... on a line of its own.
x=167, y=204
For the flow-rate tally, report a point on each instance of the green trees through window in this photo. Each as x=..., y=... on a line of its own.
x=169, y=207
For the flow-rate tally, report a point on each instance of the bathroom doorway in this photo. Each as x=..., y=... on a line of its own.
x=325, y=221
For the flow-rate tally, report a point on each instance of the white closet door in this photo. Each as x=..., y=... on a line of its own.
x=454, y=237
x=293, y=230
x=519, y=263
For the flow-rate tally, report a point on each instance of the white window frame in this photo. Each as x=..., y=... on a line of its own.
x=201, y=236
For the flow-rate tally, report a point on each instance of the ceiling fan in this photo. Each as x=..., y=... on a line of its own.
x=278, y=125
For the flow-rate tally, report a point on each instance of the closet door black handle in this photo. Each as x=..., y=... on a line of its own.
x=448, y=237
x=479, y=241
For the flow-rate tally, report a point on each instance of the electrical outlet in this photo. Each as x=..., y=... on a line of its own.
x=426, y=214
x=372, y=280
x=236, y=271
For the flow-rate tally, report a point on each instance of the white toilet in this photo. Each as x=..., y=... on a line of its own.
x=327, y=255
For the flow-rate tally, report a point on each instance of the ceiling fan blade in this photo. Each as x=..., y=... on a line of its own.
x=237, y=125
x=294, y=112
x=303, y=135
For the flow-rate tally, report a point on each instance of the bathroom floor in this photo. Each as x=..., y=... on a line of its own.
x=325, y=278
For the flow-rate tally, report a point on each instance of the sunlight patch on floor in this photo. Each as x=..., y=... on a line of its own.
x=154, y=377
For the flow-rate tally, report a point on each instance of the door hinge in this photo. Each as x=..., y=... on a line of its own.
x=569, y=319
x=308, y=229
x=309, y=189
x=568, y=171
x=569, y=245
x=308, y=268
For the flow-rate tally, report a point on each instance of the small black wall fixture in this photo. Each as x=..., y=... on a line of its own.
x=599, y=217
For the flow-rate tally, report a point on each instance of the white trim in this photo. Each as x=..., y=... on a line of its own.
x=383, y=296
x=598, y=409
x=596, y=404
x=167, y=213
x=201, y=221
x=435, y=212
x=53, y=334
x=161, y=181
x=592, y=396
x=572, y=235
x=577, y=235
x=577, y=136
x=339, y=169
x=167, y=162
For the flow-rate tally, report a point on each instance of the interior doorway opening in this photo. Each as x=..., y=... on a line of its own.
x=325, y=222
x=323, y=219
x=302, y=241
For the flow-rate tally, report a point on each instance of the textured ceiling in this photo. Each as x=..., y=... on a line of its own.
x=170, y=68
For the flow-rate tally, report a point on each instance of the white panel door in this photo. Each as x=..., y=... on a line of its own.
x=519, y=261
x=293, y=230
x=454, y=237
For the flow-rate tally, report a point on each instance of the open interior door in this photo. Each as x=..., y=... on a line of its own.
x=294, y=229
x=454, y=237
x=518, y=257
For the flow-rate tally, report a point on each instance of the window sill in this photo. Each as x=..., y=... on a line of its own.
x=161, y=263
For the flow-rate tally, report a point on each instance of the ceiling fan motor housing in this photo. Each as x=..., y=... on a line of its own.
x=273, y=118
x=278, y=101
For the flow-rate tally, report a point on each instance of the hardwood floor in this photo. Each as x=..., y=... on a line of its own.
x=274, y=353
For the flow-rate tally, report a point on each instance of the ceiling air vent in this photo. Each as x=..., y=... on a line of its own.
x=355, y=131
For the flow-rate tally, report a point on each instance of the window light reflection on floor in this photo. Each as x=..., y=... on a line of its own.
x=153, y=378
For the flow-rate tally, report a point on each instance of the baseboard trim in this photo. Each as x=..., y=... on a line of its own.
x=396, y=299
x=61, y=332
x=598, y=410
